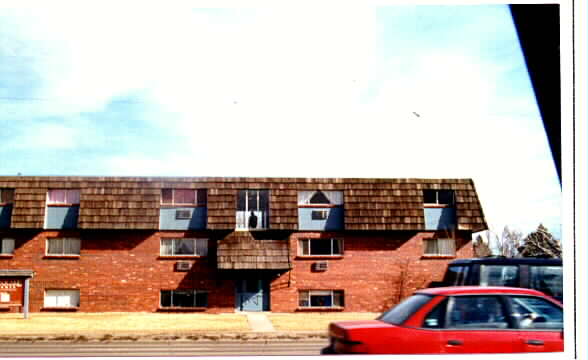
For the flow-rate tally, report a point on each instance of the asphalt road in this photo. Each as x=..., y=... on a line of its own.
x=173, y=348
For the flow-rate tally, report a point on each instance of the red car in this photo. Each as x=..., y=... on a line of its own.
x=461, y=319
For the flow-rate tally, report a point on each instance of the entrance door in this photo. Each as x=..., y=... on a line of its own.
x=251, y=295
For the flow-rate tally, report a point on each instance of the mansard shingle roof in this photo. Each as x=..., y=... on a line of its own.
x=133, y=202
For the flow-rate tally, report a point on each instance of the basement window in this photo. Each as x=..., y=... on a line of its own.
x=184, y=247
x=320, y=298
x=320, y=247
x=183, y=298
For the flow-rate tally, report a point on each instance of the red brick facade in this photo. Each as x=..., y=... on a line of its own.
x=122, y=270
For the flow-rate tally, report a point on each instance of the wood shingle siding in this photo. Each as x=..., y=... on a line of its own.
x=240, y=250
x=134, y=202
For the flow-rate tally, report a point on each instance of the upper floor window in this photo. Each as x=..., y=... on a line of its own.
x=6, y=196
x=63, y=197
x=184, y=247
x=439, y=247
x=63, y=246
x=438, y=197
x=185, y=197
x=320, y=198
x=320, y=247
x=252, y=209
x=6, y=246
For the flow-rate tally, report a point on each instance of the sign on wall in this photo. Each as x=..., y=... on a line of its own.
x=11, y=292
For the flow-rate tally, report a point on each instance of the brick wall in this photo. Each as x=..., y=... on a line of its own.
x=122, y=270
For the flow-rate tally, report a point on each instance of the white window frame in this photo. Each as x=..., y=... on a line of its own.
x=452, y=247
x=306, y=295
x=196, y=242
x=242, y=215
x=63, y=247
x=7, y=246
x=61, y=298
x=305, y=245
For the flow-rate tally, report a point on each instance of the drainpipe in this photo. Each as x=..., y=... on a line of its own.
x=26, y=298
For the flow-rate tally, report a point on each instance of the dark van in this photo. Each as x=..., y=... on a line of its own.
x=535, y=273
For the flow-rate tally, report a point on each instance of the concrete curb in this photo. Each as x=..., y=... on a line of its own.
x=205, y=337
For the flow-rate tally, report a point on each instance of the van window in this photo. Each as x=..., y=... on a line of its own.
x=456, y=275
x=547, y=279
x=499, y=275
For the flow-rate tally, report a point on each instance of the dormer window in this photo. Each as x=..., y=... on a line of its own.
x=183, y=197
x=438, y=197
x=6, y=196
x=320, y=198
x=66, y=197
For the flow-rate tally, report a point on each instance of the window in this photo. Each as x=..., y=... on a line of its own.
x=62, y=298
x=184, y=247
x=499, y=275
x=319, y=214
x=477, y=312
x=399, y=313
x=327, y=247
x=63, y=246
x=320, y=298
x=439, y=197
x=536, y=313
x=252, y=209
x=63, y=197
x=456, y=275
x=6, y=246
x=547, y=279
x=319, y=197
x=6, y=196
x=189, y=197
x=183, y=298
x=439, y=247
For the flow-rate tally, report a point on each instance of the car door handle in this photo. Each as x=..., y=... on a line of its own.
x=534, y=342
x=455, y=342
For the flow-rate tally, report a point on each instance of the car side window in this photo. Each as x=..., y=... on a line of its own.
x=435, y=319
x=477, y=312
x=536, y=313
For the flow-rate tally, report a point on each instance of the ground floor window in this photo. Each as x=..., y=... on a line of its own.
x=320, y=247
x=62, y=298
x=184, y=298
x=440, y=247
x=320, y=298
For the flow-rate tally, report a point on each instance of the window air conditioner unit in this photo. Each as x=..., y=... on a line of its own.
x=321, y=266
x=183, y=265
x=183, y=214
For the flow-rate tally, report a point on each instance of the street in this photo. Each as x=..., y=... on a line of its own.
x=172, y=348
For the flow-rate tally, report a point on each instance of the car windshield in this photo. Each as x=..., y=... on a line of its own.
x=399, y=313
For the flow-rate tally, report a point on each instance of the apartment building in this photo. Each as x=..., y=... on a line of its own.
x=99, y=244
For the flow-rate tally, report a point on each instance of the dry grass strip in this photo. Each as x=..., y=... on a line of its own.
x=119, y=323
x=313, y=321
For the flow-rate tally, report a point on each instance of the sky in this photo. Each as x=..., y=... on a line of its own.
x=358, y=90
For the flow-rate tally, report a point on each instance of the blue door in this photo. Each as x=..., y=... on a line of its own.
x=250, y=295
